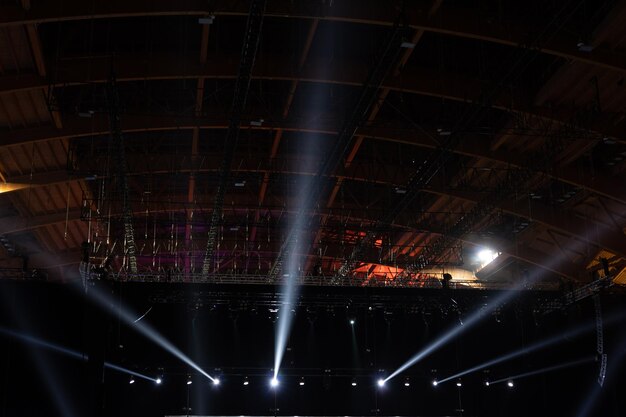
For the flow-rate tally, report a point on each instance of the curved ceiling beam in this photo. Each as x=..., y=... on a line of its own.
x=475, y=147
x=513, y=249
x=16, y=224
x=554, y=218
x=413, y=80
x=459, y=22
x=551, y=217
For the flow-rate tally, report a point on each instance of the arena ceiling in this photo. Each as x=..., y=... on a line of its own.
x=393, y=138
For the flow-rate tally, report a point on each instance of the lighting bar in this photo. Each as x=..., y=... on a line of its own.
x=206, y=20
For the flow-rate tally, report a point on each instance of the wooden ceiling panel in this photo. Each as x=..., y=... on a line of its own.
x=13, y=114
x=40, y=103
x=503, y=145
x=15, y=55
x=27, y=160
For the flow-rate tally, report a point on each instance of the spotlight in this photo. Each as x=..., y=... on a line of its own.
x=459, y=383
x=245, y=381
x=352, y=322
x=353, y=383
x=189, y=381
x=381, y=382
x=510, y=384
x=486, y=383
x=485, y=256
x=158, y=380
x=435, y=383
x=407, y=382
x=132, y=380
x=274, y=382
x=216, y=381
x=301, y=383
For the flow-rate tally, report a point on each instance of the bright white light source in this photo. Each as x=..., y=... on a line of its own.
x=246, y=382
x=407, y=383
x=301, y=383
x=486, y=383
x=216, y=381
x=435, y=383
x=459, y=383
x=158, y=380
x=486, y=256
x=510, y=384
x=352, y=321
x=132, y=380
x=353, y=383
x=381, y=382
x=274, y=382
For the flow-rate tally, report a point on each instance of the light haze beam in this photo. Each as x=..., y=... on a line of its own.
x=35, y=341
x=142, y=327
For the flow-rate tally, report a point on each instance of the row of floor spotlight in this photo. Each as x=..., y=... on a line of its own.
x=274, y=382
x=459, y=384
x=159, y=380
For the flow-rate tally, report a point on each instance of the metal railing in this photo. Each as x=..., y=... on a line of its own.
x=176, y=276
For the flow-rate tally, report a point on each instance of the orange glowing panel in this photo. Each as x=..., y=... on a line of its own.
x=6, y=187
x=379, y=271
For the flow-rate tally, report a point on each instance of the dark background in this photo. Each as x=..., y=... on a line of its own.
x=233, y=340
